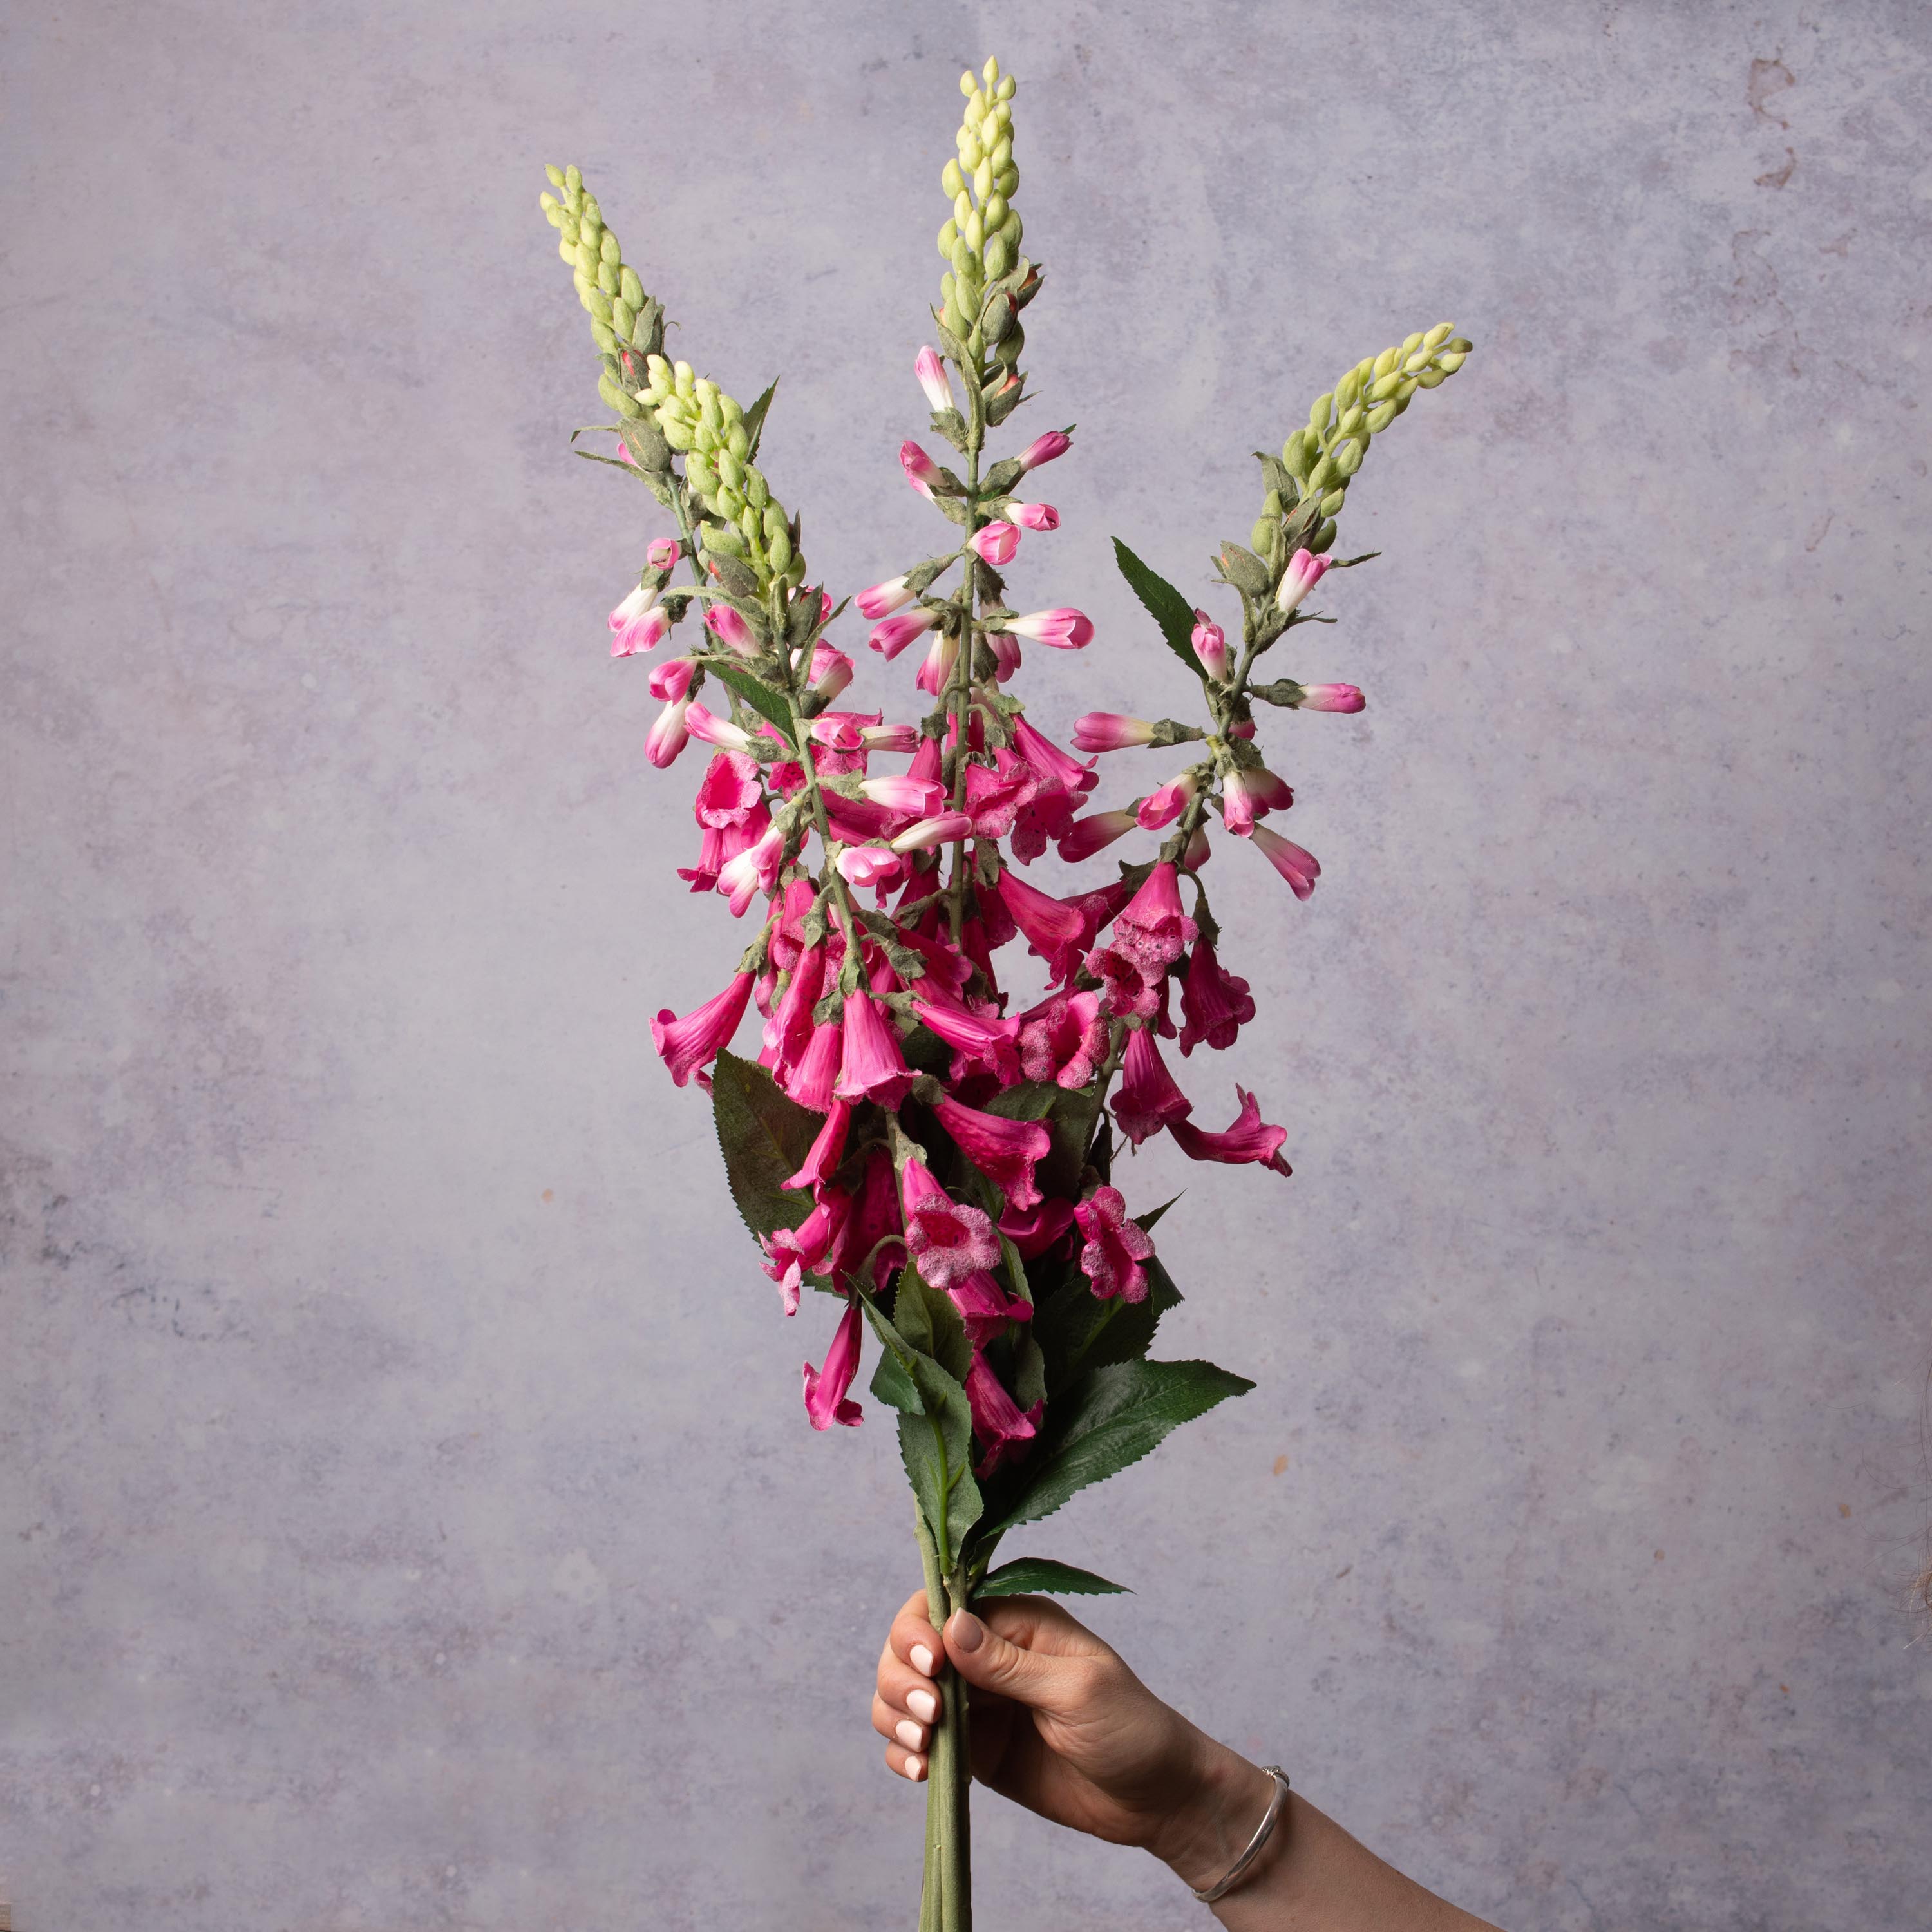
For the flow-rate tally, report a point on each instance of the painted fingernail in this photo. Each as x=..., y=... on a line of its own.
x=921, y=1659
x=912, y=1768
x=908, y=1733
x=923, y=1705
x=968, y=1632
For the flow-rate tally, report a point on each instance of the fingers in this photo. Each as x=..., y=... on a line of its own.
x=913, y=1640
x=994, y=1653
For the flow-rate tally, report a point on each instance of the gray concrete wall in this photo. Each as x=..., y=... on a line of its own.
x=409, y=1519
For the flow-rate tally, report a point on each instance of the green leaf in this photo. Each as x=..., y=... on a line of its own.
x=1078, y=1331
x=1245, y=571
x=755, y=419
x=591, y=456
x=1164, y=604
x=893, y=1384
x=1111, y=1418
x=927, y=1320
x=765, y=1138
x=1042, y=1575
x=760, y=696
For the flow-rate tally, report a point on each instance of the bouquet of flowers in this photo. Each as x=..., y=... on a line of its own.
x=932, y=1154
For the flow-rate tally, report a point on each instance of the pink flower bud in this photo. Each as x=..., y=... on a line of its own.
x=891, y=635
x=669, y=734
x=921, y=473
x=1094, y=833
x=664, y=554
x=905, y=794
x=1110, y=731
x=703, y=724
x=1163, y=806
x=1065, y=629
x=882, y=599
x=755, y=870
x=1045, y=448
x=1210, y=645
x=638, y=623
x=825, y=1398
x=688, y=1045
x=672, y=679
x=1331, y=697
x=928, y=832
x=995, y=544
x=937, y=668
x=730, y=630
x=890, y=737
x=1304, y=573
x=932, y=374
x=865, y=865
x=831, y=671
x=1298, y=868
x=1034, y=516
x=1246, y=793
x=1005, y=651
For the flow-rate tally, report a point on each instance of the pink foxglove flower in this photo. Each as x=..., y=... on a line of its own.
x=1054, y=765
x=1302, y=574
x=982, y=1039
x=892, y=634
x=1094, y=833
x=921, y=473
x=985, y=1306
x=1148, y=1099
x=904, y=793
x=932, y=374
x=1045, y=448
x=946, y=1239
x=1064, y=1039
x=1246, y=793
x=1055, y=931
x=669, y=734
x=1128, y=990
x=882, y=599
x=1214, y=1004
x=1300, y=869
x=1002, y=1429
x=1153, y=928
x=873, y=1067
x=825, y=1401
x=826, y=1151
x=664, y=554
x=1005, y=651
x=1165, y=803
x=639, y=623
x=755, y=870
x=995, y=544
x=831, y=671
x=1331, y=697
x=689, y=1044
x=791, y=1029
x=1005, y=1151
x=1034, y=516
x=841, y=730
x=941, y=830
x=792, y=1253
x=1039, y=1228
x=1110, y=731
x=1210, y=646
x=939, y=659
x=730, y=630
x=1064, y=629
x=730, y=792
x=672, y=679
x=714, y=730
x=1115, y=1247
x=996, y=795
x=866, y=866
x=810, y=1081
x=1247, y=1140
x=891, y=737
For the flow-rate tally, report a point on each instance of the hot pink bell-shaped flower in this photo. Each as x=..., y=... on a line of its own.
x=1065, y=629
x=942, y=828
x=932, y=374
x=1248, y=1139
x=1210, y=646
x=1115, y=1247
x=1005, y=1151
x=1331, y=697
x=825, y=1398
x=730, y=630
x=831, y=671
x=792, y=1253
x=873, y=1067
x=1153, y=928
x=981, y=1040
x=1165, y=803
x=1300, y=869
x=1044, y=448
x=1064, y=1039
x=1005, y=651
x=690, y=1045
x=1035, y=1230
x=985, y=1306
x=731, y=791
x=1002, y=1429
x=755, y=870
x=1055, y=931
x=891, y=737
x=1148, y=1098
x=892, y=634
x=996, y=543
x=639, y=623
x=826, y=1151
x=672, y=679
x=921, y=471
x=946, y=1239
x=1110, y=731
x=1034, y=516
x=1216, y=1004
x=941, y=655
x=1094, y=833
x=789, y=1030
x=1246, y=793
x=1060, y=768
x=810, y=1080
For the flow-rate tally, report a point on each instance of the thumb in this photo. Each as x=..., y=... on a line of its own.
x=987, y=1660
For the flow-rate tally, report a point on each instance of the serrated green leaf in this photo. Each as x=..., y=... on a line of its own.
x=1245, y=571
x=616, y=462
x=1164, y=604
x=1146, y=1221
x=1041, y=1576
x=760, y=696
x=927, y=1320
x=1079, y=1332
x=893, y=1384
x=755, y=419
x=1109, y=1419
x=765, y=1138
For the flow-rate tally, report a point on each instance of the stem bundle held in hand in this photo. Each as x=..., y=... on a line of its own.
x=910, y=1140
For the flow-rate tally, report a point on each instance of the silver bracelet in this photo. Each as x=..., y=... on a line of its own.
x=1263, y=1832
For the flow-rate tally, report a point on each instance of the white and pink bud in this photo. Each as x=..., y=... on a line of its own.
x=921, y=473
x=1298, y=868
x=672, y=679
x=1094, y=833
x=1165, y=804
x=1044, y=448
x=932, y=374
x=730, y=630
x=669, y=734
x=941, y=830
x=890, y=737
x=892, y=634
x=995, y=544
x=1005, y=651
x=1064, y=629
x=1110, y=731
x=1210, y=646
x=937, y=668
x=831, y=671
x=882, y=599
x=864, y=866
x=664, y=554
x=1034, y=516
x=638, y=623
x=714, y=730
x=1304, y=573
x=905, y=794
x=755, y=870
x=1331, y=697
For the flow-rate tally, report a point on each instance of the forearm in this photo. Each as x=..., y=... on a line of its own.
x=1311, y=1876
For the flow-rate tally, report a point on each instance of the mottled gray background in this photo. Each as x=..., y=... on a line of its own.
x=409, y=1519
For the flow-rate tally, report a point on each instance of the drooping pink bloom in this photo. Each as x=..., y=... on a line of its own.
x=791, y=1029
x=891, y=737
x=1304, y=573
x=831, y=669
x=941, y=657
x=1153, y=928
x=1005, y=651
x=1045, y=817
x=718, y=847
x=689, y=1044
x=1210, y=645
x=904, y=793
x=1094, y=833
x=730, y=630
x=1331, y=697
x=1300, y=869
x=1215, y=1005
x=932, y=374
x=792, y=1253
x=1055, y=931
x=672, y=679
x=873, y=1067
x=1110, y=731
x=1198, y=853
x=639, y=623
x=730, y=791
x=1060, y=768
x=826, y=1151
x=946, y=1239
x=995, y=795
x=996, y=543
x=986, y=1307
x=809, y=1081
x=1034, y=516
x=1248, y=1139
x=1005, y=1151
x=1064, y=1039
x=925, y=763
x=755, y=870
x=1045, y=448
x=669, y=734
x=947, y=968
x=1115, y=1247
x=1165, y=803
x=1246, y=793
x=1003, y=1431
x=921, y=473
x=1148, y=1098
x=941, y=830
x=825, y=1401
x=882, y=599
x=871, y=868
x=841, y=730
x=892, y=634
x=983, y=1040
x=1038, y=1229
x=1065, y=629
x=856, y=820
x=663, y=553
x=1128, y=991
x=703, y=724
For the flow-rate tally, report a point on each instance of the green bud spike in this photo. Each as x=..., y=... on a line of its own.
x=962, y=259
x=962, y=206
x=973, y=231
x=600, y=306
x=1404, y=390
x=990, y=73
x=971, y=152
x=1294, y=453
x=739, y=442
x=683, y=377
x=552, y=208
x=567, y=227
x=1320, y=476
x=729, y=501
x=675, y=433
x=750, y=523
x=757, y=491
x=722, y=539
x=969, y=85
x=1012, y=229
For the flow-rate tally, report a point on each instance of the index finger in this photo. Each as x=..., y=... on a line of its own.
x=913, y=1639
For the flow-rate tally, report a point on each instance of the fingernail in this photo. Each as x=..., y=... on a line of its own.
x=923, y=1705
x=908, y=1733
x=921, y=1659
x=912, y=1768
x=968, y=1632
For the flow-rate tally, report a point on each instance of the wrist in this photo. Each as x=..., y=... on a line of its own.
x=1224, y=1802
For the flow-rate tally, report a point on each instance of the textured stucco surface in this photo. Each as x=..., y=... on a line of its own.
x=407, y=1518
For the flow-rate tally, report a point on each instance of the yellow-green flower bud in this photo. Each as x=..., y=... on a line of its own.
x=1410, y=344
x=1432, y=379
x=556, y=176
x=1320, y=476
x=997, y=263
x=779, y=549
x=1317, y=413
x=739, y=442
x=729, y=500
x=1272, y=505
x=703, y=437
x=730, y=469
x=971, y=152
x=605, y=339
x=658, y=370
x=1384, y=387
x=1351, y=421
x=750, y=523
x=1348, y=391
x=1379, y=418
x=608, y=247
x=587, y=257
x=757, y=491
x=1449, y=362
x=951, y=181
x=1006, y=88
x=962, y=206
x=982, y=177
x=1349, y=458
x=1331, y=504
x=990, y=73
x=573, y=181
x=962, y=259
x=1295, y=453
x=948, y=233
x=676, y=433
x=600, y=306
x=722, y=539
x=1323, y=538
x=969, y=83
x=1008, y=182
x=1385, y=362
x=606, y=278
x=1437, y=336
x=568, y=250
x=946, y=282
x=973, y=231
x=1002, y=156
x=1257, y=538
x=994, y=212
x=1459, y=345
x=1012, y=229
x=630, y=288
x=624, y=405
x=1404, y=390
x=570, y=232
x=553, y=208
x=683, y=376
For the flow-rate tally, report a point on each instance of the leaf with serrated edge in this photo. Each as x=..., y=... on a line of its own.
x=1164, y=604
x=765, y=1139
x=1041, y=1576
x=761, y=698
x=1079, y=1331
x=754, y=419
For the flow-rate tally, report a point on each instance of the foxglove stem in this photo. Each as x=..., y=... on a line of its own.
x=946, y=1905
